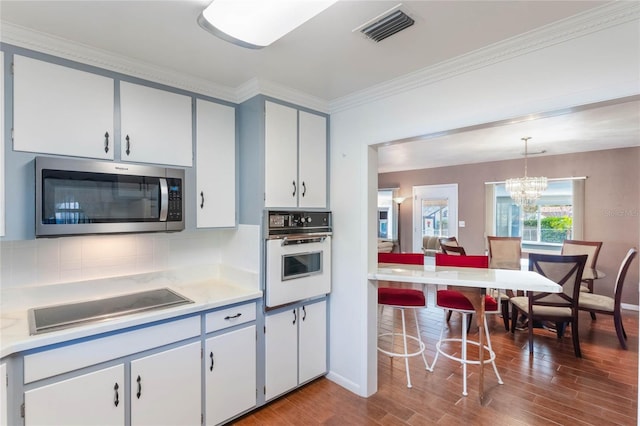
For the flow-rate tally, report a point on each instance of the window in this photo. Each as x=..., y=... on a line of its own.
x=556, y=216
x=386, y=216
x=435, y=218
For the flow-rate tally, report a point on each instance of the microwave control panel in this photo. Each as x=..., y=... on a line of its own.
x=175, y=200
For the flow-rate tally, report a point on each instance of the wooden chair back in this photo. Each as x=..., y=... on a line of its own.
x=564, y=270
x=590, y=248
x=453, y=250
x=622, y=274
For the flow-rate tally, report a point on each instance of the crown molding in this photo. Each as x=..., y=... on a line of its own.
x=256, y=86
x=595, y=20
x=45, y=43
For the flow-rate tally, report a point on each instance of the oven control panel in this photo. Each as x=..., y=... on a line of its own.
x=291, y=222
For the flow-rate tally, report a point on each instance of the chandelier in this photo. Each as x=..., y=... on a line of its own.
x=526, y=190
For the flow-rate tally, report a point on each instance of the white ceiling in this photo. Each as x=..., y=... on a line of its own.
x=324, y=59
x=606, y=125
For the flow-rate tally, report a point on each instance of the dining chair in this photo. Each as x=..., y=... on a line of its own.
x=452, y=300
x=597, y=303
x=454, y=250
x=401, y=299
x=505, y=253
x=450, y=241
x=592, y=250
x=560, y=307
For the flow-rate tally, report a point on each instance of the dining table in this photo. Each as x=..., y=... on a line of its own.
x=472, y=282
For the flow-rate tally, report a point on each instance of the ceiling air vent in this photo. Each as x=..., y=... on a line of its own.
x=386, y=25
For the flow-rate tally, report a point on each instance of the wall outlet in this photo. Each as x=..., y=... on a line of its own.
x=461, y=224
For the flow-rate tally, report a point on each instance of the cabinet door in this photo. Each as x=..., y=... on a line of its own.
x=312, y=341
x=60, y=110
x=313, y=160
x=156, y=126
x=92, y=399
x=166, y=387
x=3, y=395
x=230, y=374
x=216, y=165
x=281, y=353
x=281, y=156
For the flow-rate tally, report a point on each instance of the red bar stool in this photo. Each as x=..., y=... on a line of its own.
x=451, y=300
x=402, y=299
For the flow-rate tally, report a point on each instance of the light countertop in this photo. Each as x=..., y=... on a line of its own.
x=465, y=277
x=208, y=286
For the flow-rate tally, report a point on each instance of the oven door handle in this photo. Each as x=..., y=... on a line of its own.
x=301, y=240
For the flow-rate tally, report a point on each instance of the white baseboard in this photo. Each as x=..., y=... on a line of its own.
x=345, y=383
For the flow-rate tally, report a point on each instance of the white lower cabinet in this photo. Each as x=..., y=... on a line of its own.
x=230, y=374
x=144, y=376
x=312, y=341
x=166, y=387
x=295, y=347
x=96, y=398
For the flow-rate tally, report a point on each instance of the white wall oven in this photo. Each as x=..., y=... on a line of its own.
x=298, y=256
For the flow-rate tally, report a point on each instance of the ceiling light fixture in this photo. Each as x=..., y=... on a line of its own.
x=526, y=190
x=258, y=23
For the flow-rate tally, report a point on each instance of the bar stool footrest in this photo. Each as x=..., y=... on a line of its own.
x=402, y=354
x=490, y=352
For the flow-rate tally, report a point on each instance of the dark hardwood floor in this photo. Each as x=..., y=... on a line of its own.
x=552, y=387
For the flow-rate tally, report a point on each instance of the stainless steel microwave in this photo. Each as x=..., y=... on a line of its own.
x=76, y=197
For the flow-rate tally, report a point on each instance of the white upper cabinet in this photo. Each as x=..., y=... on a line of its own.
x=61, y=110
x=156, y=126
x=281, y=155
x=215, y=165
x=295, y=158
x=312, y=160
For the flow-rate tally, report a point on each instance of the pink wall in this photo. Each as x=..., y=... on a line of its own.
x=612, y=202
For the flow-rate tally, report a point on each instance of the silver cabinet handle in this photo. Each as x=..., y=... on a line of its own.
x=106, y=142
x=128, y=151
x=295, y=189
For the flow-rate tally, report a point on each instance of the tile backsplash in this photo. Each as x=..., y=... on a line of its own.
x=69, y=259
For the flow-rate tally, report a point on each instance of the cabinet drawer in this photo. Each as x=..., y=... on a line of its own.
x=229, y=317
x=49, y=363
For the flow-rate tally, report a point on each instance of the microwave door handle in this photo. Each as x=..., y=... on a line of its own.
x=164, y=200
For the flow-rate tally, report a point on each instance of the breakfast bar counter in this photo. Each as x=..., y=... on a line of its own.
x=472, y=282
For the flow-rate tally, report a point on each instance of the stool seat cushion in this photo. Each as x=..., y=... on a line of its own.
x=452, y=299
x=400, y=297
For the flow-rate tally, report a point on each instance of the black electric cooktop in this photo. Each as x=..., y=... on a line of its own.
x=51, y=318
